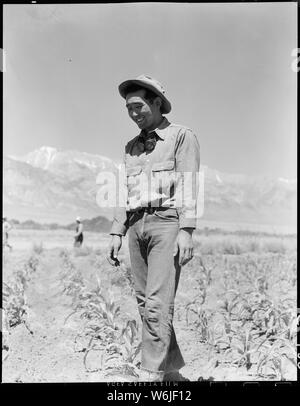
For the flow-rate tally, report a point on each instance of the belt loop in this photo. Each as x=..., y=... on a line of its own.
x=143, y=222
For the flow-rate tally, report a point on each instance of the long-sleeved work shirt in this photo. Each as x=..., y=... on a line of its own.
x=79, y=229
x=166, y=176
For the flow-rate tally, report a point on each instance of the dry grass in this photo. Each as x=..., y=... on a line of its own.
x=236, y=245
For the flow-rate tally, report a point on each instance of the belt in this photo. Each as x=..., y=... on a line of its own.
x=150, y=210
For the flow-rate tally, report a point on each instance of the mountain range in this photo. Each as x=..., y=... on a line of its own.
x=52, y=185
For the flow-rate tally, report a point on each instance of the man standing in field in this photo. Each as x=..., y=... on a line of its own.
x=160, y=225
x=6, y=227
x=78, y=238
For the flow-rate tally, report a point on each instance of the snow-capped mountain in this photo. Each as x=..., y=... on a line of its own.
x=55, y=185
x=58, y=161
x=250, y=199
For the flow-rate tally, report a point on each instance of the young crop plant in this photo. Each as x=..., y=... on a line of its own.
x=126, y=351
x=38, y=249
x=31, y=266
x=273, y=355
x=197, y=317
x=242, y=348
x=104, y=332
x=71, y=279
x=205, y=270
x=126, y=271
x=107, y=335
x=14, y=301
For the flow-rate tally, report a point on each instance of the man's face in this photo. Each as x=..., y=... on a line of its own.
x=144, y=113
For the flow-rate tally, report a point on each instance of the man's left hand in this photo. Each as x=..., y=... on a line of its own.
x=184, y=245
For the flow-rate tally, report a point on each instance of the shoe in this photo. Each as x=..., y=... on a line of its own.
x=201, y=379
x=150, y=376
x=174, y=376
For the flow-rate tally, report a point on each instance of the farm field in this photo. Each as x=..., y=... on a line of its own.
x=70, y=317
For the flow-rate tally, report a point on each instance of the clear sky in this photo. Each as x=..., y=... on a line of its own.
x=226, y=69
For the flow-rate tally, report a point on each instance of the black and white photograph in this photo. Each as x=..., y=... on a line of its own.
x=149, y=218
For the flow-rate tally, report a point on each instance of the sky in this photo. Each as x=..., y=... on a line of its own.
x=226, y=69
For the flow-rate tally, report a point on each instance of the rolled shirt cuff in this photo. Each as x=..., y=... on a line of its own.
x=119, y=229
x=187, y=222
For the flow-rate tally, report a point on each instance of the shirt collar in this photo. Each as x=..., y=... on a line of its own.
x=160, y=130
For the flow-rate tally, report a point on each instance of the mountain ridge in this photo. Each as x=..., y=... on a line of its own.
x=57, y=185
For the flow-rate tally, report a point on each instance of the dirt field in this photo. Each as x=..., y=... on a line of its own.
x=70, y=317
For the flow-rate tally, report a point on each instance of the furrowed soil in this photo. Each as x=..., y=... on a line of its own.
x=47, y=347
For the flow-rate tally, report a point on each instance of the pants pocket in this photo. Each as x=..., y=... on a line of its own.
x=169, y=214
x=132, y=217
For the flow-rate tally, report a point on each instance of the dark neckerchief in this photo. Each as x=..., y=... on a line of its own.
x=148, y=139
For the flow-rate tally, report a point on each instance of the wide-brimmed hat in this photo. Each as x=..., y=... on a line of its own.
x=148, y=83
x=78, y=219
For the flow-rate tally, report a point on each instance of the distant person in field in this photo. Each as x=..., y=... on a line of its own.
x=160, y=225
x=6, y=227
x=79, y=233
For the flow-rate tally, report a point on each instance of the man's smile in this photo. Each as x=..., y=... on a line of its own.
x=140, y=121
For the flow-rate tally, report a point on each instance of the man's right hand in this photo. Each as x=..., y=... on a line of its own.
x=113, y=250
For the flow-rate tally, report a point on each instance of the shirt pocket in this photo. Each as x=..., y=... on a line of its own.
x=163, y=177
x=134, y=179
x=133, y=171
x=163, y=166
x=135, y=186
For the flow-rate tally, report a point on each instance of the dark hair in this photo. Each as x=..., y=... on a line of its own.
x=149, y=95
